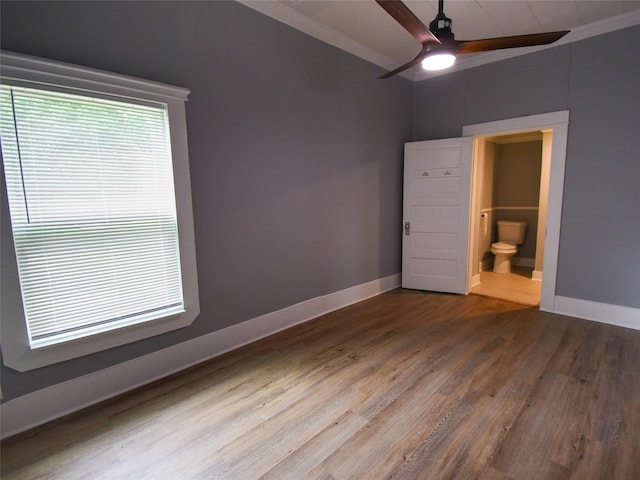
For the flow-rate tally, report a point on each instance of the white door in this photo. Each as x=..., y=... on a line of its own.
x=437, y=185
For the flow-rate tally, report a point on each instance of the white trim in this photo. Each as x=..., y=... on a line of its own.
x=514, y=125
x=33, y=409
x=17, y=66
x=536, y=275
x=493, y=209
x=559, y=123
x=621, y=316
x=517, y=208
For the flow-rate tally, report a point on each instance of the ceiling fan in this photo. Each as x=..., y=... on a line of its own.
x=439, y=47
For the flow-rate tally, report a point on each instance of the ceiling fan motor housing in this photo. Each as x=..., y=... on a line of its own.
x=441, y=27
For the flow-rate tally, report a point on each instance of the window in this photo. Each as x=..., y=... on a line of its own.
x=96, y=177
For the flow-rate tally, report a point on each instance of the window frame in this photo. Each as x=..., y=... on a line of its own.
x=18, y=69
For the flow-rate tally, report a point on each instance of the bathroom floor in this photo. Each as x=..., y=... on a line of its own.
x=516, y=286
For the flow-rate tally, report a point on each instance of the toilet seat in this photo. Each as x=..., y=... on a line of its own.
x=503, y=247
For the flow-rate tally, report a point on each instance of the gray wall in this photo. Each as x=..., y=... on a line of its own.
x=295, y=152
x=598, y=81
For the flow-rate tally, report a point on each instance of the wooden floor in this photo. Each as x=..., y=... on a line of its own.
x=405, y=385
x=516, y=286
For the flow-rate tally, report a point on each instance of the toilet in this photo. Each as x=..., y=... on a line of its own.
x=510, y=234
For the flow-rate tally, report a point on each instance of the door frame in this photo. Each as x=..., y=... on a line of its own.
x=558, y=123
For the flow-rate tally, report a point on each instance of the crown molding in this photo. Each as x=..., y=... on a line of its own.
x=282, y=13
x=610, y=24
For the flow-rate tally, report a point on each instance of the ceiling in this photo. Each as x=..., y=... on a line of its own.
x=363, y=28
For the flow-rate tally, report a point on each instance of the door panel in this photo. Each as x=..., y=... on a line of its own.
x=437, y=186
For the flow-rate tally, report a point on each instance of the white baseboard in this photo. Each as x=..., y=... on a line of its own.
x=600, y=312
x=475, y=281
x=536, y=275
x=44, y=405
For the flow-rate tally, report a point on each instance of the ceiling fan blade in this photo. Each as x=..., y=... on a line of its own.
x=413, y=62
x=487, y=44
x=405, y=17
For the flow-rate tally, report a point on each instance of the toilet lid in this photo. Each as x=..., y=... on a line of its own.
x=507, y=246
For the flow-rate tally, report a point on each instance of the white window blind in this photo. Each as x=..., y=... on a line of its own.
x=92, y=205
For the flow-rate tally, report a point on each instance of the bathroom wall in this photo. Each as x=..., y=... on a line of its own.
x=487, y=221
x=516, y=191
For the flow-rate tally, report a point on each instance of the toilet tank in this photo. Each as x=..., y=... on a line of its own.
x=511, y=231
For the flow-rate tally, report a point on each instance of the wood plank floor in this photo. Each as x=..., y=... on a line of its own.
x=405, y=385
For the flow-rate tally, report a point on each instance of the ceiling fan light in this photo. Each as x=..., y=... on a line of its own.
x=438, y=61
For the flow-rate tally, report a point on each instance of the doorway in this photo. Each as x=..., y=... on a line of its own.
x=554, y=129
x=510, y=186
